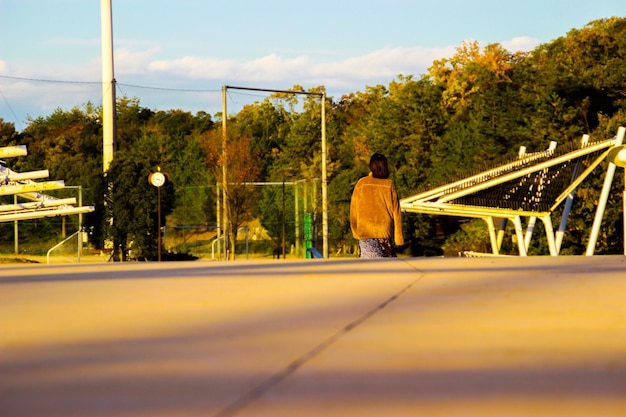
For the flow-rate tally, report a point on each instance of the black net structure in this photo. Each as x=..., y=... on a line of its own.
x=527, y=186
x=537, y=190
x=530, y=182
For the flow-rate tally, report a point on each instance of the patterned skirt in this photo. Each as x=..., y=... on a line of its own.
x=376, y=248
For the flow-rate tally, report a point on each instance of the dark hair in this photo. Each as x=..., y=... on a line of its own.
x=378, y=166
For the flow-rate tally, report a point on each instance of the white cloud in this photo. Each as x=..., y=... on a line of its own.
x=22, y=98
x=194, y=68
x=135, y=65
x=127, y=62
x=384, y=64
x=522, y=43
x=379, y=66
x=275, y=68
x=267, y=69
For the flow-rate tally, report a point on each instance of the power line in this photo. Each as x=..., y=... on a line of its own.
x=184, y=90
x=11, y=109
x=48, y=81
x=268, y=90
x=145, y=87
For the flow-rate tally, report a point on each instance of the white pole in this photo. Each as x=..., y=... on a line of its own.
x=520, y=235
x=624, y=211
x=604, y=196
x=218, y=213
x=108, y=85
x=492, y=235
x=324, y=181
x=16, y=235
x=547, y=224
x=530, y=227
x=225, y=195
x=297, y=217
x=500, y=236
x=80, y=222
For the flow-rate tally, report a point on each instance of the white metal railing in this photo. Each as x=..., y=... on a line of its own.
x=221, y=238
x=61, y=243
x=217, y=239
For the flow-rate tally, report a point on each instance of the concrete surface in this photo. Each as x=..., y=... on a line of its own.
x=535, y=336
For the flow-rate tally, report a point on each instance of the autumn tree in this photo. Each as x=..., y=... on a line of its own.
x=263, y=123
x=242, y=166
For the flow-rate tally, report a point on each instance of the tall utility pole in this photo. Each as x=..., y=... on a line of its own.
x=108, y=85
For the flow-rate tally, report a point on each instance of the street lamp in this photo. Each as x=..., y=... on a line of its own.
x=158, y=179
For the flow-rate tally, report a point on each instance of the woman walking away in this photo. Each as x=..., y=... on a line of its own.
x=375, y=216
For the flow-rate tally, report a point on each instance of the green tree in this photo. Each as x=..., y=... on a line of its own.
x=68, y=145
x=8, y=135
x=262, y=123
x=178, y=136
x=133, y=213
x=276, y=210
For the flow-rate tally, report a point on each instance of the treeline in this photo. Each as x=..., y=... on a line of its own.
x=468, y=110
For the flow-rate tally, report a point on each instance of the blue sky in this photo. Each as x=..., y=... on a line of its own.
x=200, y=45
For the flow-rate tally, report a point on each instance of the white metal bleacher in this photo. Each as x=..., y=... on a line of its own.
x=30, y=202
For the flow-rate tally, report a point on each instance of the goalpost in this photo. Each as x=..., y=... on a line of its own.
x=223, y=213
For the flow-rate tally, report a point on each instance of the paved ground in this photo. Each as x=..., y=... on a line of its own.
x=407, y=337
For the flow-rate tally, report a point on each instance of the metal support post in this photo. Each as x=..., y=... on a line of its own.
x=604, y=196
x=492, y=235
x=519, y=232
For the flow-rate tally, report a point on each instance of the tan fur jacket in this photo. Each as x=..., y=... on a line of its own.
x=375, y=210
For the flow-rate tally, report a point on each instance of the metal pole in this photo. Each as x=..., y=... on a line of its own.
x=324, y=181
x=547, y=224
x=568, y=202
x=520, y=236
x=304, y=216
x=530, y=227
x=297, y=218
x=284, y=225
x=159, y=222
x=80, y=223
x=315, y=215
x=604, y=196
x=225, y=219
x=566, y=210
x=501, y=231
x=16, y=245
x=108, y=85
x=219, y=218
x=491, y=228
